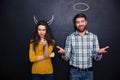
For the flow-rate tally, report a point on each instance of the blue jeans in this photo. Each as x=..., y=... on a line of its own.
x=42, y=77
x=76, y=74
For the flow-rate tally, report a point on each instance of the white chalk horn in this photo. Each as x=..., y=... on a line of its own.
x=49, y=22
x=35, y=20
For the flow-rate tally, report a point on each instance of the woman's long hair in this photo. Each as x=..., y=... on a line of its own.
x=48, y=36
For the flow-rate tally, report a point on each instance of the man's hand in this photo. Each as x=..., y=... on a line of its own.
x=61, y=50
x=103, y=50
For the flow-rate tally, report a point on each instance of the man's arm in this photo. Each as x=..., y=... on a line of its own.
x=61, y=50
x=97, y=52
x=66, y=53
x=102, y=50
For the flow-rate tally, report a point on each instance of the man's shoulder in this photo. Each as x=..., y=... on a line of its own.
x=90, y=33
x=72, y=34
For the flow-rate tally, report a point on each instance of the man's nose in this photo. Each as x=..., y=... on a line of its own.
x=80, y=23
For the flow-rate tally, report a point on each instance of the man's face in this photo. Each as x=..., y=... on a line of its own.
x=81, y=24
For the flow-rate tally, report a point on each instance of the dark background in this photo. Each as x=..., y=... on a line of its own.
x=17, y=24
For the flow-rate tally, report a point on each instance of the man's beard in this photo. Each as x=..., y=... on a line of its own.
x=81, y=30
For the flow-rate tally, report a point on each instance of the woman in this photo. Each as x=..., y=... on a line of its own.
x=40, y=52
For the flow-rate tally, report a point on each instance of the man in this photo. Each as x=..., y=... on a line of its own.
x=80, y=47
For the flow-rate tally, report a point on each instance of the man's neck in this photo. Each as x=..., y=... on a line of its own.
x=82, y=33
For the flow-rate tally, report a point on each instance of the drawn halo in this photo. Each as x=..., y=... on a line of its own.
x=84, y=4
x=49, y=22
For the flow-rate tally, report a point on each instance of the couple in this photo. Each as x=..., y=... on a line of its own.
x=80, y=47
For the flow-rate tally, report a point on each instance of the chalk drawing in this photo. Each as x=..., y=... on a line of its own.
x=81, y=4
x=49, y=22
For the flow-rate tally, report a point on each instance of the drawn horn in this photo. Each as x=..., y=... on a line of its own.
x=49, y=22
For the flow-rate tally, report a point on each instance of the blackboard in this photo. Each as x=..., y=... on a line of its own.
x=17, y=21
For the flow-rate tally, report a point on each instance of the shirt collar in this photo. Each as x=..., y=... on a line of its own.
x=86, y=32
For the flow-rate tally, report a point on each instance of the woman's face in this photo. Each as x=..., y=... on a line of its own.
x=41, y=31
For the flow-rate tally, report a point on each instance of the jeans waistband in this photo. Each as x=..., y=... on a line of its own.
x=83, y=69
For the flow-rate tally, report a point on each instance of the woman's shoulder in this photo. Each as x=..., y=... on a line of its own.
x=53, y=40
x=31, y=41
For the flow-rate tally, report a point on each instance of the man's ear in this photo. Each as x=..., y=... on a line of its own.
x=86, y=22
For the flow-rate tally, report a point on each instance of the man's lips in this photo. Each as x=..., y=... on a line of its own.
x=81, y=27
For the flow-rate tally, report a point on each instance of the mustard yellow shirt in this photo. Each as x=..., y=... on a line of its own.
x=43, y=66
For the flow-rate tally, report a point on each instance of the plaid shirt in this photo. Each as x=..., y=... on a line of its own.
x=81, y=49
